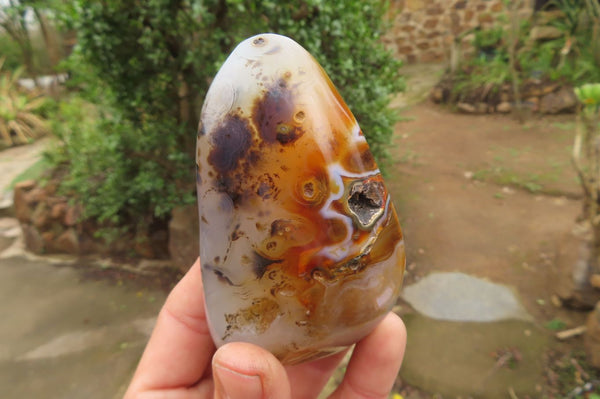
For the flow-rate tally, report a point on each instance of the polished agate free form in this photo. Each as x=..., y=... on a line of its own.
x=300, y=245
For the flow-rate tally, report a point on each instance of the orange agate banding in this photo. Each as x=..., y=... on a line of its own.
x=301, y=248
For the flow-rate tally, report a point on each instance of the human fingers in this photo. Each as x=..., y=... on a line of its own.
x=180, y=347
x=375, y=362
x=246, y=371
x=308, y=379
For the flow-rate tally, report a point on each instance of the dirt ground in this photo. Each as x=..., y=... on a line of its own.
x=493, y=198
x=486, y=196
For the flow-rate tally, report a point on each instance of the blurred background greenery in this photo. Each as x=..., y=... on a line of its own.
x=138, y=72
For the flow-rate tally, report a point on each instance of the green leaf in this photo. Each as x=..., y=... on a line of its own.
x=555, y=325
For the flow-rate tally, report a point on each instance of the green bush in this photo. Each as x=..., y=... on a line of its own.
x=150, y=63
x=110, y=167
x=572, y=58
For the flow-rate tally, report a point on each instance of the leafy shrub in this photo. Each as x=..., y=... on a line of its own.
x=486, y=39
x=110, y=165
x=11, y=53
x=150, y=62
x=573, y=57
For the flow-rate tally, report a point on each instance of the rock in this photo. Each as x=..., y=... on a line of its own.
x=466, y=107
x=533, y=91
x=485, y=18
x=549, y=88
x=563, y=100
x=263, y=258
x=22, y=208
x=120, y=246
x=183, y=236
x=533, y=103
x=40, y=215
x=545, y=33
x=497, y=7
x=72, y=215
x=571, y=282
x=7, y=210
x=58, y=211
x=460, y=5
x=51, y=187
x=33, y=239
x=435, y=10
x=48, y=238
x=142, y=246
x=8, y=224
x=431, y=23
x=68, y=242
x=595, y=281
x=468, y=15
x=89, y=245
x=546, y=17
x=159, y=240
x=437, y=94
x=36, y=195
x=153, y=266
x=9, y=231
x=405, y=49
x=591, y=339
x=504, y=107
x=431, y=56
x=460, y=297
x=25, y=185
x=414, y=5
x=481, y=108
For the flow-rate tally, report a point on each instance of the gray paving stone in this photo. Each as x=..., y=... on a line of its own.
x=460, y=297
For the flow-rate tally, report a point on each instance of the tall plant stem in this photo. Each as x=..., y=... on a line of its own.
x=513, y=38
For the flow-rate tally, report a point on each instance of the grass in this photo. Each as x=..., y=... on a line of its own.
x=571, y=372
x=567, y=126
x=409, y=157
x=508, y=177
x=34, y=172
x=501, y=170
x=555, y=325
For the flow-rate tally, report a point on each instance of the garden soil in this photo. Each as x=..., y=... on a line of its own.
x=499, y=200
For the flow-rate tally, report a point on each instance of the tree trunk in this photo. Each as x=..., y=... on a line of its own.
x=49, y=38
x=15, y=25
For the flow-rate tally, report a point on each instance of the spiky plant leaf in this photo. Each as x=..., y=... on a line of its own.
x=19, y=123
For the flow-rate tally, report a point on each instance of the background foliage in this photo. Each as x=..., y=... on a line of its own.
x=573, y=57
x=148, y=65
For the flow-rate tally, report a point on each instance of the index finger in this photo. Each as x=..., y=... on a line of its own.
x=180, y=348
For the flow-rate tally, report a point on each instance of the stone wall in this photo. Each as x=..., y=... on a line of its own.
x=536, y=96
x=423, y=30
x=50, y=224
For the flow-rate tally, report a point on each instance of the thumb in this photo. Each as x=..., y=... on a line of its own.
x=246, y=371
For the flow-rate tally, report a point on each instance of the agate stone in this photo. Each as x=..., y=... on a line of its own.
x=300, y=245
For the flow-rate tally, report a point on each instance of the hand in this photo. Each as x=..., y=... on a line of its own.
x=177, y=361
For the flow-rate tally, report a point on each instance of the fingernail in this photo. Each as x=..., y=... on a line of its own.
x=230, y=384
